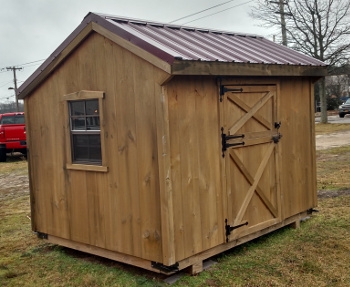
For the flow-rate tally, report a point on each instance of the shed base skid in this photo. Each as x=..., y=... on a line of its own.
x=194, y=264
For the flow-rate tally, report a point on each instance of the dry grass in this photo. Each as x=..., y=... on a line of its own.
x=333, y=169
x=317, y=254
x=16, y=164
x=331, y=128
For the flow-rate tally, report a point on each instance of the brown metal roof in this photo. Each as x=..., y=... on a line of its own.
x=187, y=43
x=178, y=46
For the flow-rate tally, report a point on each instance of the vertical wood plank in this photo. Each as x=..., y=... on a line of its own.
x=165, y=178
x=112, y=202
x=206, y=129
x=313, y=179
x=279, y=152
x=128, y=212
x=175, y=137
x=148, y=181
x=195, y=162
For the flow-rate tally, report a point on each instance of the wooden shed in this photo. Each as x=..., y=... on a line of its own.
x=160, y=146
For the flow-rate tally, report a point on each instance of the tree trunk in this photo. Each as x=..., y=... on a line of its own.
x=323, y=99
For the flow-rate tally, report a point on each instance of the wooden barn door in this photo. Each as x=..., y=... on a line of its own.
x=250, y=136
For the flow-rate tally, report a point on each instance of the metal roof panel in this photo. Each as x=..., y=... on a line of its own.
x=172, y=43
x=190, y=43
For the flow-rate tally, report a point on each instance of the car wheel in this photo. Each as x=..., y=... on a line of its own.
x=2, y=154
x=341, y=115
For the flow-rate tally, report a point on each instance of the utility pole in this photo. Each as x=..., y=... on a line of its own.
x=281, y=4
x=15, y=83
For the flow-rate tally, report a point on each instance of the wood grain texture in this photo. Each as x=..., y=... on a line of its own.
x=164, y=190
x=116, y=205
x=195, y=162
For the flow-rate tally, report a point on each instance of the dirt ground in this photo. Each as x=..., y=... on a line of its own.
x=332, y=140
x=11, y=184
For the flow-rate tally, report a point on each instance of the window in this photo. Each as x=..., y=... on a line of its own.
x=12, y=119
x=83, y=115
x=85, y=131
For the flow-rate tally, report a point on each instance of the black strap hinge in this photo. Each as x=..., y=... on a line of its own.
x=223, y=90
x=229, y=228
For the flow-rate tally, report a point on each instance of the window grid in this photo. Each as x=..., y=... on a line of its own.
x=85, y=131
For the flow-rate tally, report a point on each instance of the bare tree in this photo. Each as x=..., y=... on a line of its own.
x=318, y=28
x=10, y=107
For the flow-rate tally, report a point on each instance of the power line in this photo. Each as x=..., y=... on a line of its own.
x=6, y=97
x=5, y=83
x=219, y=12
x=193, y=14
x=31, y=66
x=4, y=69
x=32, y=62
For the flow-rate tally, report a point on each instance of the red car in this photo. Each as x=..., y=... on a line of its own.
x=12, y=134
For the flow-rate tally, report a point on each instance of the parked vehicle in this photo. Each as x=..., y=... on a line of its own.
x=344, y=108
x=12, y=134
x=344, y=99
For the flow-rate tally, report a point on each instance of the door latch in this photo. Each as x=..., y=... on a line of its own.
x=277, y=125
x=276, y=138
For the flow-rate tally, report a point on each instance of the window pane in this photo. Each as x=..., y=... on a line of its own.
x=81, y=153
x=7, y=120
x=77, y=108
x=80, y=140
x=95, y=154
x=92, y=107
x=78, y=124
x=87, y=148
x=19, y=119
x=93, y=123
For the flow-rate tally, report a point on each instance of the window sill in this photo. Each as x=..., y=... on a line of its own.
x=86, y=167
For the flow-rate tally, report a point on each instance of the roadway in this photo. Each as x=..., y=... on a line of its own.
x=334, y=119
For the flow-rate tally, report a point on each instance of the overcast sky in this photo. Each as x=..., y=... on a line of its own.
x=30, y=30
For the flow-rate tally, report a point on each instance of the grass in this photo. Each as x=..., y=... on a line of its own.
x=317, y=254
x=15, y=164
x=333, y=169
x=330, y=128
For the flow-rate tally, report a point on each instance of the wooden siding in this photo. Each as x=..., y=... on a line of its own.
x=195, y=164
x=298, y=170
x=119, y=209
x=162, y=192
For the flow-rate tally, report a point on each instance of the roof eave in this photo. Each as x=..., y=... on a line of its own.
x=67, y=46
x=185, y=67
x=95, y=23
